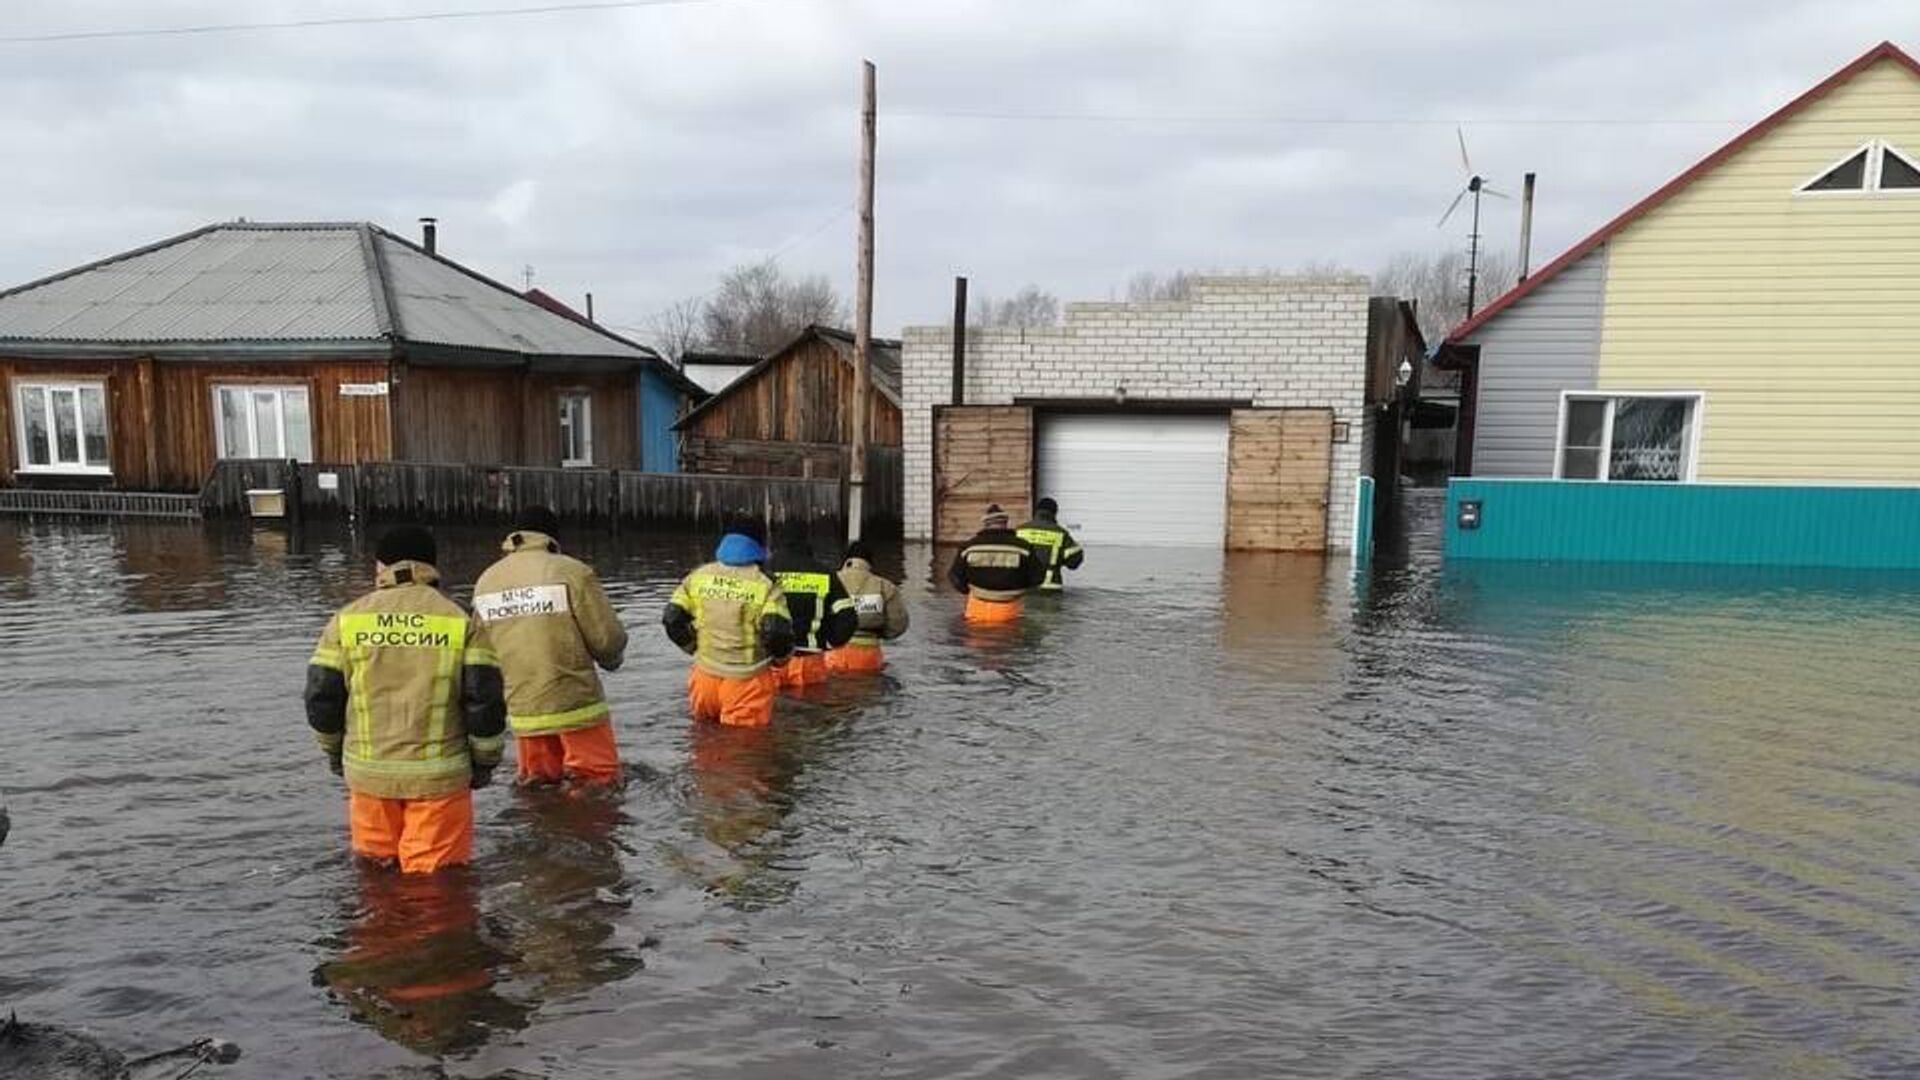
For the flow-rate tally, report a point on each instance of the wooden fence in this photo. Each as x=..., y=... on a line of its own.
x=480, y=493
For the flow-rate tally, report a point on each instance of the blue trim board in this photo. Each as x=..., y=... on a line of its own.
x=1861, y=527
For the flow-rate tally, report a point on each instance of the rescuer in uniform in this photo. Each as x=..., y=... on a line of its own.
x=821, y=612
x=550, y=623
x=995, y=569
x=1055, y=544
x=404, y=695
x=732, y=619
x=880, y=611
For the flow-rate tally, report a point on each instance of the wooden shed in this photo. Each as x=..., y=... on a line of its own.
x=339, y=343
x=791, y=413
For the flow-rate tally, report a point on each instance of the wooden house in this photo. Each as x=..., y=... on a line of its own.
x=1719, y=373
x=791, y=413
x=325, y=342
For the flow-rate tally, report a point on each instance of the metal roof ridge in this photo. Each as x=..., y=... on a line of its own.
x=385, y=316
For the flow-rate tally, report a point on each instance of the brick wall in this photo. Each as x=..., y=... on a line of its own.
x=1276, y=341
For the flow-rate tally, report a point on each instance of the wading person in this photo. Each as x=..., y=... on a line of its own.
x=550, y=623
x=995, y=569
x=405, y=697
x=732, y=619
x=820, y=610
x=1055, y=544
x=880, y=610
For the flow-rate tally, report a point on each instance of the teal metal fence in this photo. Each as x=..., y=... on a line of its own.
x=1866, y=527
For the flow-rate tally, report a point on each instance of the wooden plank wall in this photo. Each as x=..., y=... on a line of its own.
x=757, y=457
x=709, y=502
x=1278, y=467
x=804, y=395
x=509, y=417
x=160, y=414
x=982, y=454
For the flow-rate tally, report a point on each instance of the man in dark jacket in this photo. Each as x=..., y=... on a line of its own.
x=995, y=569
x=822, y=613
x=1054, y=543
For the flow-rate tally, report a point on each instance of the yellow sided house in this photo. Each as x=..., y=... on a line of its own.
x=1726, y=372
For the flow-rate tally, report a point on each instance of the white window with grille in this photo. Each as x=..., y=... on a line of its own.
x=61, y=427
x=262, y=422
x=1651, y=436
x=576, y=429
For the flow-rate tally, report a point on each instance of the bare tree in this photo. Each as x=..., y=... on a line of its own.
x=1147, y=287
x=757, y=309
x=675, y=331
x=1438, y=285
x=1027, y=308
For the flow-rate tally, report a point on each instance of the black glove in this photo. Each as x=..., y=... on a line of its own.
x=481, y=776
x=334, y=764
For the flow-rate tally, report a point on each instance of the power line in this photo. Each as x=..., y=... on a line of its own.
x=1173, y=119
x=342, y=20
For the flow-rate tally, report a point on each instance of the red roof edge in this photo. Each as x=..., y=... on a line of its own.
x=1886, y=50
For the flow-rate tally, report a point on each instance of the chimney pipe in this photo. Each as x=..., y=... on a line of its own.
x=429, y=233
x=959, y=341
x=590, y=309
x=1526, y=226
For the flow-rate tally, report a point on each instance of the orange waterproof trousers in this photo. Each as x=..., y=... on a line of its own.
x=743, y=702
x=992, y=611
x=422, y=835
x=585, y=755
x=802, y=669
x=857, y=660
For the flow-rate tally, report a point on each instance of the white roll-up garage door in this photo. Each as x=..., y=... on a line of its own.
x=1159, y=480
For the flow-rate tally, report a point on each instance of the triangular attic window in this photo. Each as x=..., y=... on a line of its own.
x=1849, y=175
x=1896, y=171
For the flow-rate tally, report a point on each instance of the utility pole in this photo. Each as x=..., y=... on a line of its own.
x=862, y=314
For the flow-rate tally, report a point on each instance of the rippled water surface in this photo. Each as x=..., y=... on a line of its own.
x=1208, y=817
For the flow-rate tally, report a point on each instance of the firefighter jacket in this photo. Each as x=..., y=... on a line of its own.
x=997, y=565
x=881, y=610
x=405, y=690
x=549, y=622
x=732, y=619
x=822, y=612
x=1056, y=547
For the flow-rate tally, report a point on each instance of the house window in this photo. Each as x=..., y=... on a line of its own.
x=1876, y=166
x=62, y=427
x=1628, y=436
x=262, y=422
x=576, y=429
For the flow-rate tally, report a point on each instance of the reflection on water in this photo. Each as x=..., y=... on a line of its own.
x=1208, y=815
x=416, y=965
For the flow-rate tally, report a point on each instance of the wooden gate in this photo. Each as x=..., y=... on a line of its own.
x=982, y=454
x=1277, y=478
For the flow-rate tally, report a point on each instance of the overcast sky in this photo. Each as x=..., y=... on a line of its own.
x=639, y=153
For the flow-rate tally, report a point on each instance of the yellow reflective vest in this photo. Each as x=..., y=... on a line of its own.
x=549, y=622
x=728, y=604
x=404, y=651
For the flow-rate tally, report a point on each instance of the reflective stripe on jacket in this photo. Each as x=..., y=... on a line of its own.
x=402, y=649
x=728, y=604
x=997, y=565
x=1056, y=547
x=882, y=610
x=549, y=620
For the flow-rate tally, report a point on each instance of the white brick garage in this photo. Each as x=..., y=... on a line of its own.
x=1265, y=342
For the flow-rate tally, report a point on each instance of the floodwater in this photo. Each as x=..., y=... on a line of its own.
x=1207, y=817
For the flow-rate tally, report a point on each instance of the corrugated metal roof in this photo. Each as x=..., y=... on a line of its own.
x=260, y=284
x=224, y=283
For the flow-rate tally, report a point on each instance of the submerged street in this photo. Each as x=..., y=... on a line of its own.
x=1206, y=816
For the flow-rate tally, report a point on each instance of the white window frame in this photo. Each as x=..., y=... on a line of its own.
x=584, y=436
x=279, y=392
x=57, y=467
x=1689, y=452
x=1870, y=182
